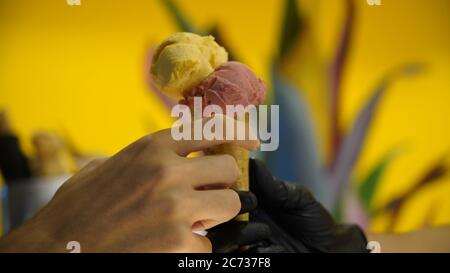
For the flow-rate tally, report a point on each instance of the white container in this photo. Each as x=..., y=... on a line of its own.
x=22, y=199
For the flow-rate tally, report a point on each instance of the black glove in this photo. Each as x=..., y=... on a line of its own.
x=287, y=219
x=238, y=236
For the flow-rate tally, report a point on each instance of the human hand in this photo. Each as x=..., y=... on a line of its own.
x=287, y=219
x=149, y=197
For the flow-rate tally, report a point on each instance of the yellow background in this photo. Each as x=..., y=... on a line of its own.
x=80, y=71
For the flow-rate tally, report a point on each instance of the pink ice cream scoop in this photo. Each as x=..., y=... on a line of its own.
x=231, y=83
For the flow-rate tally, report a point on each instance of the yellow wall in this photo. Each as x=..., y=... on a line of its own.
x=415, y=113
x=79, y=70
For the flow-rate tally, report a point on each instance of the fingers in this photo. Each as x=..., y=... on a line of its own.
x=263, y=184
x=211, y=170
x=185, y=147
x=270, y=191
x=248, y=201
x=210, y=208
x=254, y=232
x=275, y=193
x=230, y=236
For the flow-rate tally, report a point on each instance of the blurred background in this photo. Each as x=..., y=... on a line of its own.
x=363, y=90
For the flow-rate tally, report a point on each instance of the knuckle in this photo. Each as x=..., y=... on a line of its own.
x=142, y=178
x=227, y=158
x=230, y=163
x=166, y=174
x=163, y=174
x=171, y=207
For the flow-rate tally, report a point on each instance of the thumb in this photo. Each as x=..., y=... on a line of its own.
x=275, y=193
x=269, y=191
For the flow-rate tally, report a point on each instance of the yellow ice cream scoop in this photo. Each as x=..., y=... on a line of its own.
x=183, y=60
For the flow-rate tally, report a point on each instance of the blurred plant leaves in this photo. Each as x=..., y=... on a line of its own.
x=369, y=184
x=182, y=21
x=167, y=101
x=290, y=28
x=434, y=173
x=336, y=75
x=352, y=144
x=353, y=210
x=220, y=39
x=297, y=158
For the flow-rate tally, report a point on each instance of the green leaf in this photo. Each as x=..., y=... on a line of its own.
x=368, y=187
x=353, y=143
x=336, y=76
x=182, y=21
x=437, y=170
x=216, y=32
x=290, y=27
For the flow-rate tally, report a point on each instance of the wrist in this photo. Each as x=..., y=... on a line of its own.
x=35, y=235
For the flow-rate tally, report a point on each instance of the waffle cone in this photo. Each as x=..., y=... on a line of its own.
x=241, y=156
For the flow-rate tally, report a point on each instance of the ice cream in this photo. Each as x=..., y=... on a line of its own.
x=183, y=60
x=232, y=83
x=186, y=66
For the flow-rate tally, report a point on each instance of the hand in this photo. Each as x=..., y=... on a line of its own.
x=297, y=222
x=234, y=236
x=147, y=198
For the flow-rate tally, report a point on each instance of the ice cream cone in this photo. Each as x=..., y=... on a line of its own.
x=241, y=156
x=186, y=66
